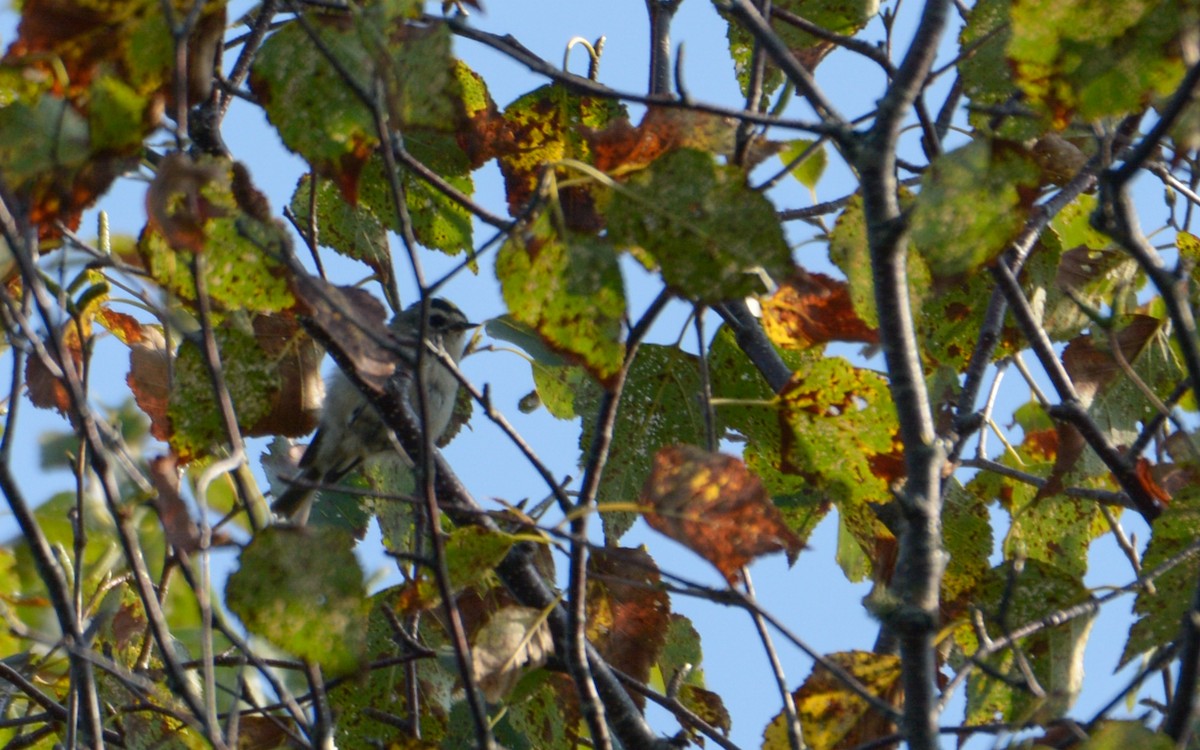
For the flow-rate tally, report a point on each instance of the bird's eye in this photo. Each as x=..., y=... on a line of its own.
x=437, y=320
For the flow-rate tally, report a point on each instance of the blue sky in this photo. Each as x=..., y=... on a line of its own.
x=814, y=597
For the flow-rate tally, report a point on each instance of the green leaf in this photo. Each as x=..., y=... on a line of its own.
x=809, y=171
x=438, y=221
x=849, y=251
x=317, y=612
x=1073, y=56
x=756, y=419
x=845, y=17
x=1121, y=735
x=658, y=408
x=1073, y=263
x=472, y=554
x=40, y=138
x=353, y=231
x=317, y=113
x=116, y=116
x=555, y=380
x=251, y=377
x=973, y=201
x=535, y=714
x=569, y=289
x=681, y=650
x=1055, y=655
x=241, y=263
x=710, y=233
x=1161, y=610
x=363, y=710
x=1057, y=531
x=967, y=538
x=987, y=76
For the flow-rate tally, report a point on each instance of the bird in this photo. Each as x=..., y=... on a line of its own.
x=350, y=429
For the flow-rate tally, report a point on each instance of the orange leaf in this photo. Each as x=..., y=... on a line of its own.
x=811, y=309
x=715, y=506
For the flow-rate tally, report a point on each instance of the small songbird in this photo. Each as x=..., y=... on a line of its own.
x=351, y=430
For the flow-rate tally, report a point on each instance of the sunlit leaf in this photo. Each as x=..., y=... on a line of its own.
x=1070, y=59
x=972, y=203
x=810, y=309
x=831, y=714
x=569, y=289
x=808, y=171
x=544, y=127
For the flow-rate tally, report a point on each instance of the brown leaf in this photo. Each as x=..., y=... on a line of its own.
x=352, y=318
x=621, y=147
x=628, y=612
x=712, y=504
x=175, y=204
x=515, y=641
x=1092, y=366
x=296, y=405
x=46, y=390
x=810, y=309
x=181, y=531
x=1145, y=474
x=148, y=380
x=125, y=327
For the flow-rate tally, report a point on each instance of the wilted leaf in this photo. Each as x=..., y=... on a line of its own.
x=712, y=505
x=628, y=612
x=46, y=389
x=181, y=531
x=832, y=715
x=148, y=379
x=515, y=641
x=810, y=309
x=621, y=148
x=317, y=612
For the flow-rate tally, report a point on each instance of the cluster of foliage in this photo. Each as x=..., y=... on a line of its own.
x=1006, y=232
